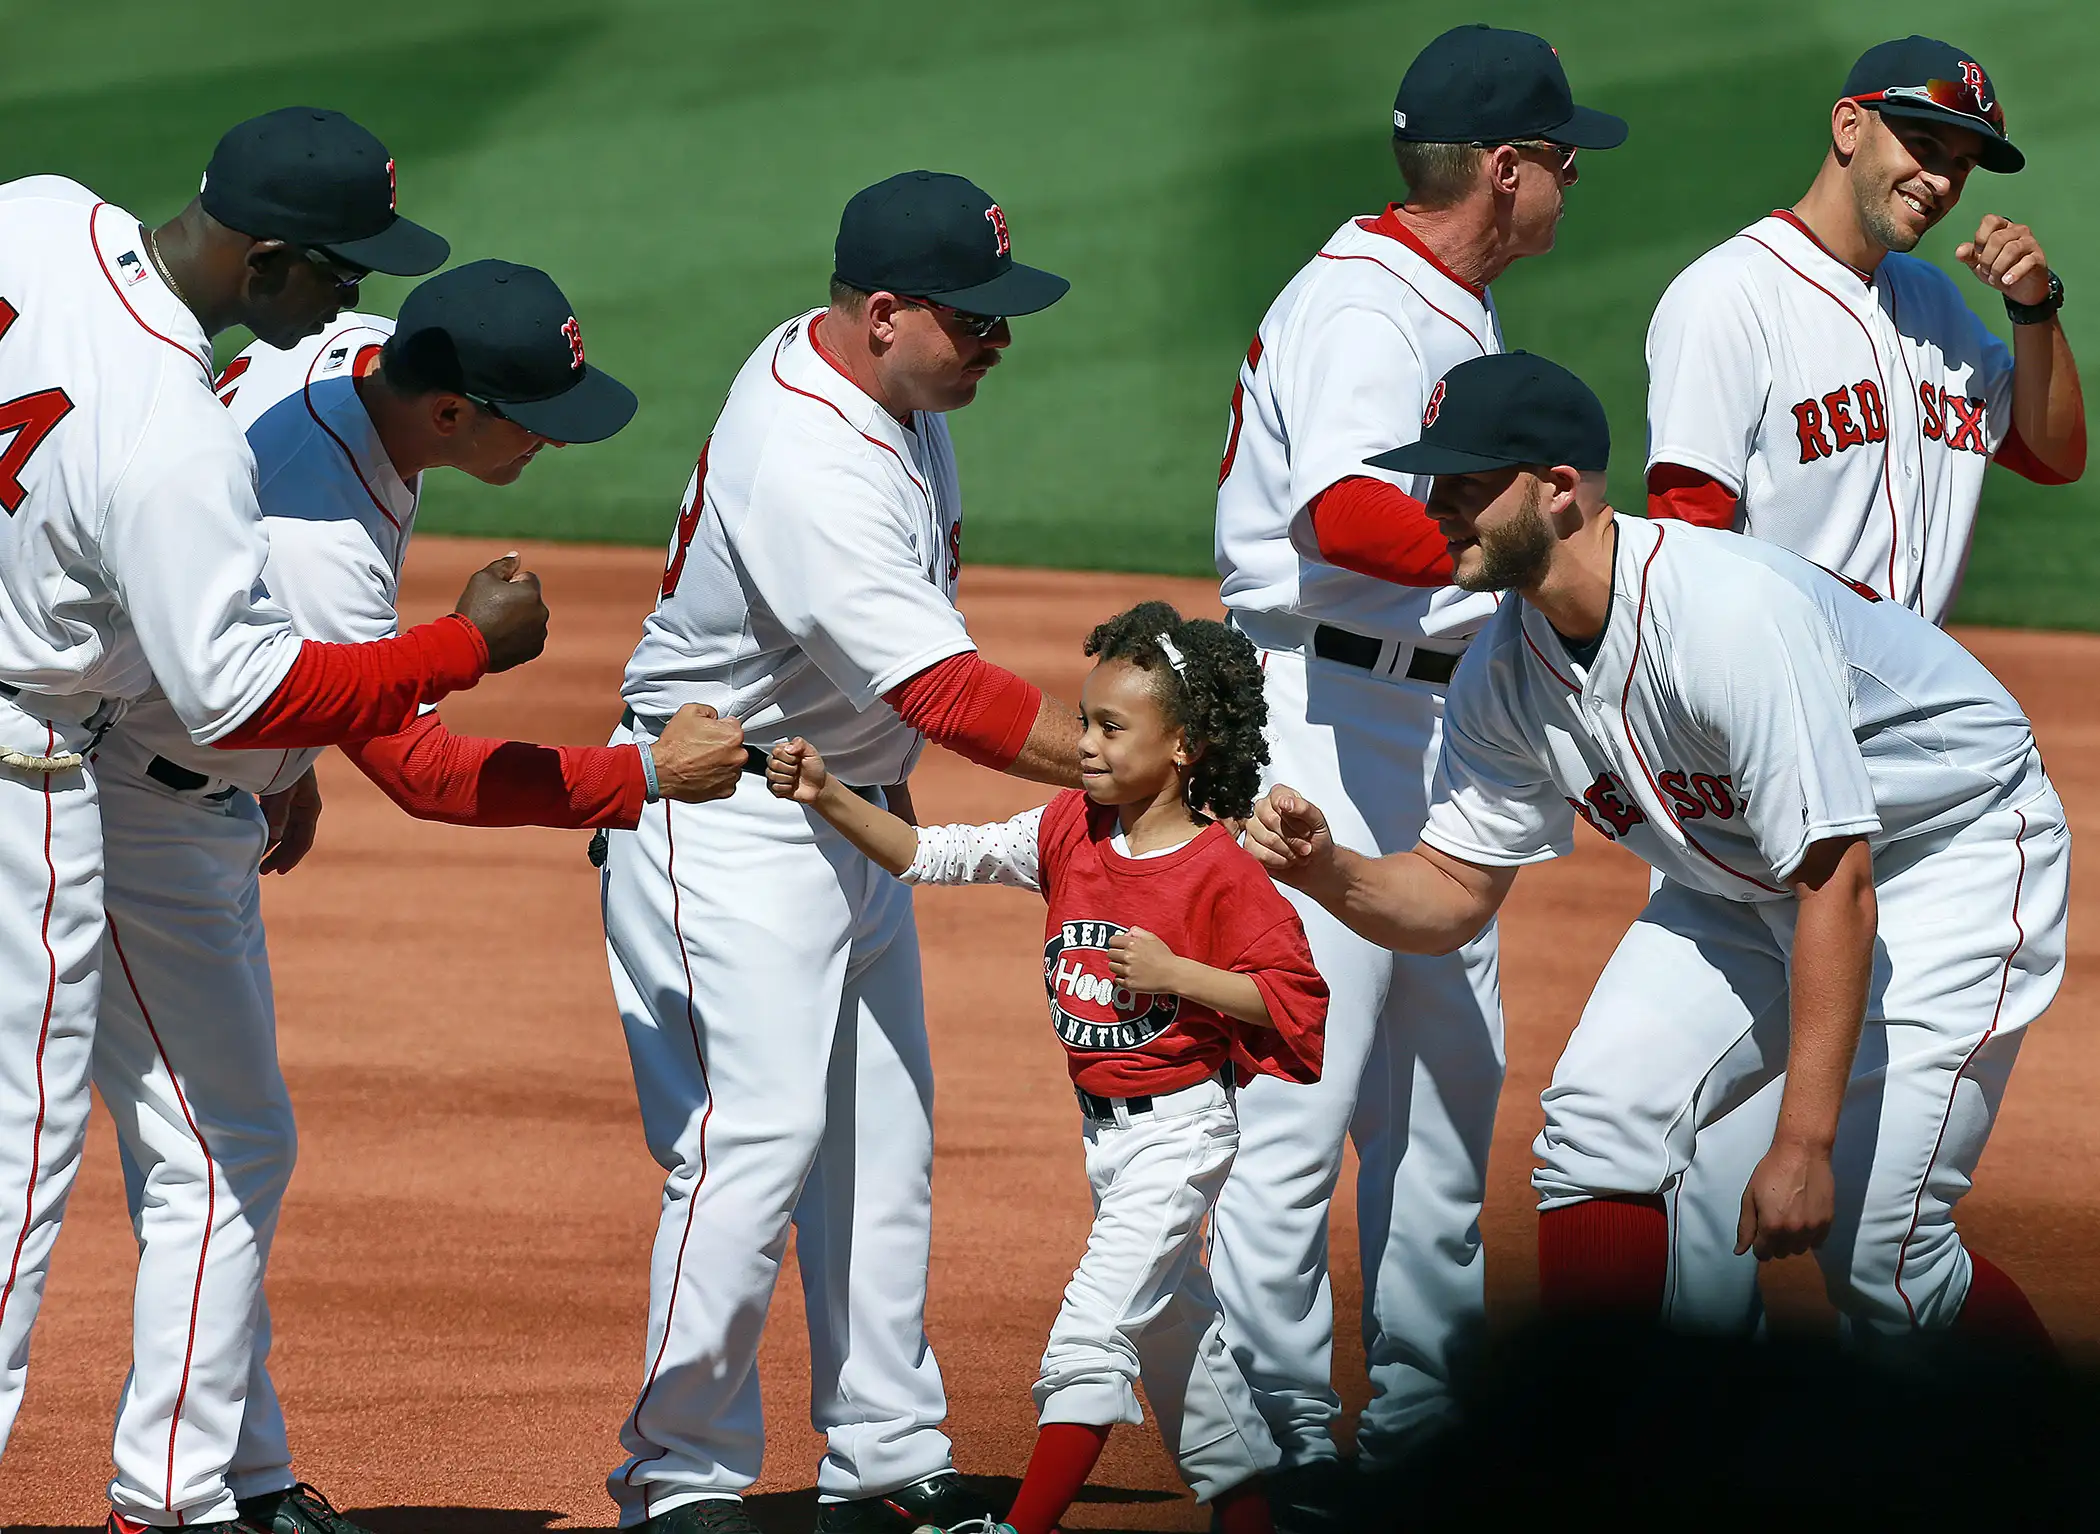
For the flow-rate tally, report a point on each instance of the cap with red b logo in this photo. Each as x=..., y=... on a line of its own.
x=1924, y=78
x=923, y=234
x=315, y=178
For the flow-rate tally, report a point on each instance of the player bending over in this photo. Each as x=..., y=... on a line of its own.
x=482, y=371
x=1864, y=856
x=1171, y=963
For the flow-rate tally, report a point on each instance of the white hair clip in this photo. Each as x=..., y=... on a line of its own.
x=1173, y=655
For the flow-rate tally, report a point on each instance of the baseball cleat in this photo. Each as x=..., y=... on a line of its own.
x=120, y=1524
x=967, y=1526
x=710, y=1515
x=945, y=1502
x=299, y=1509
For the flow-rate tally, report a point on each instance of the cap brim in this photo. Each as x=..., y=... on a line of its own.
x=596, y=407
x=1433, y=458
x=1998, y=154
x=1017, y=290
x=402, y=249
x=1588, y=129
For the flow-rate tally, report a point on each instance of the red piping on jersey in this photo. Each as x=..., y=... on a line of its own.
x=211, y=1199
x=1390, y=225
x=1328, y=255
x=2004, y=980
x=306, y=392
x=1881, y=379
x=36, y=1134
x=1626, y=725
x=103, y=267
x=1535, y=650
x=1787, y=216
x=828, y=405
x=692, y=1203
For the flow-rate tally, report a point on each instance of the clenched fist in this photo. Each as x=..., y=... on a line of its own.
x=504, y=603
x=2006, y=256
x=795, y=771
x=1143, y=961
x=1289, y=836
x=699, y=756
x=1789, y=1203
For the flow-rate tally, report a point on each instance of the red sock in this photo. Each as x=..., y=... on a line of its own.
x=1605, y=1256
x=1243, y=1510
x=1064, y=1456
x=1997, y=1309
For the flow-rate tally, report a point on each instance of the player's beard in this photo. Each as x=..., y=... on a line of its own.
x=1880, y=226
x=1515, y=555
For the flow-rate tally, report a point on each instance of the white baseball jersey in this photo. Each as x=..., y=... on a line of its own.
x=337, y=514
x=1744, y=705
x=1852, y=415
x=813, y=568
x=1341, y=369
x=132, y=548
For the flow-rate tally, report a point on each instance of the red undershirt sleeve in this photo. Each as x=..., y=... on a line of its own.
x=338, y=692
x=2014, y=454
x=980, y=711
x=466, y=780
x=1680, y=494
x=1379, y=530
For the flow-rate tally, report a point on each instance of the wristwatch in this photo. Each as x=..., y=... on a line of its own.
x=2041, y=313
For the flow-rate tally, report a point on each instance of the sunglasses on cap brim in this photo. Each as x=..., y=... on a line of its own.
x=1947, y=95
x=345, y=275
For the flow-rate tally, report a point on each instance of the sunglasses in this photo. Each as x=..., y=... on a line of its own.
x=979, y=325
x=343, y=274
x=1566, y=152
x=1948, y=95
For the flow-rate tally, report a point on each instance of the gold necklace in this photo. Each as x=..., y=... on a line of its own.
x=153, y=250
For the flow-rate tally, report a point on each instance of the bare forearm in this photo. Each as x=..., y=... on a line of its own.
x=1832, y=963
x=2048, y=401
x=1051, y=752
x=1404, y=902
x=877, y=833
x=1222, y=990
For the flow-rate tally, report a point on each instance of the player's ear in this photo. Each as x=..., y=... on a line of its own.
x=449, y=414
x=1848, y=124
x=880, y=313
x=1501, y=165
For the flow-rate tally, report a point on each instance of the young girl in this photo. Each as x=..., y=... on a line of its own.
x=1170, y=960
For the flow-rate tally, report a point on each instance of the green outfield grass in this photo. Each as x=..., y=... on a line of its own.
x=679, y=166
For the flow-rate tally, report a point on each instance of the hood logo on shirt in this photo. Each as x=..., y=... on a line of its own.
x=1089, y=1007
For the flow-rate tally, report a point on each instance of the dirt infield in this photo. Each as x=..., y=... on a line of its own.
x=460, y=1281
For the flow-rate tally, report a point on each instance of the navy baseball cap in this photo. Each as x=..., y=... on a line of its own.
x=315, y=178
x=1481, y=85
x=923, y=234
x=1925, y=78
x=1507, y=408
x=505, y=337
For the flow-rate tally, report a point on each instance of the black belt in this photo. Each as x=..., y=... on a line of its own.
x=1362, y=652
x=184, y=781
x=1103, y=1109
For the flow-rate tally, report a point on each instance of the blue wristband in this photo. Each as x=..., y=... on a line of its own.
x=649, y=789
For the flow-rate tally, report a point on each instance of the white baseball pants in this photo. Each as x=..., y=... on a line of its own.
x=1141, y=1305
x=1668, y=1085
x=185, y=1059
x=768, y=979
x=50, y=971
x=1413, y=1070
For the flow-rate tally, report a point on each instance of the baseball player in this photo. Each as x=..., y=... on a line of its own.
x=1338, y=575
x=1173, y=966
x=134, y=551
x=1863, y=854
x=1813, y=384
x=767, y=974
x=485, y=369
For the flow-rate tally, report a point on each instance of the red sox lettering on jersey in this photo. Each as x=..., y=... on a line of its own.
x=1851, y=415
x=1611, y=812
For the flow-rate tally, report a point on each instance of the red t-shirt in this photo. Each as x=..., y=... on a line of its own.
x=1207, y=900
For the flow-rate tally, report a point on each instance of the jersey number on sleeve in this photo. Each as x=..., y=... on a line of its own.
x=26, y=422
x=688, y=524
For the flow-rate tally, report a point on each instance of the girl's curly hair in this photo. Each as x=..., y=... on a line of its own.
x=1214, y=697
